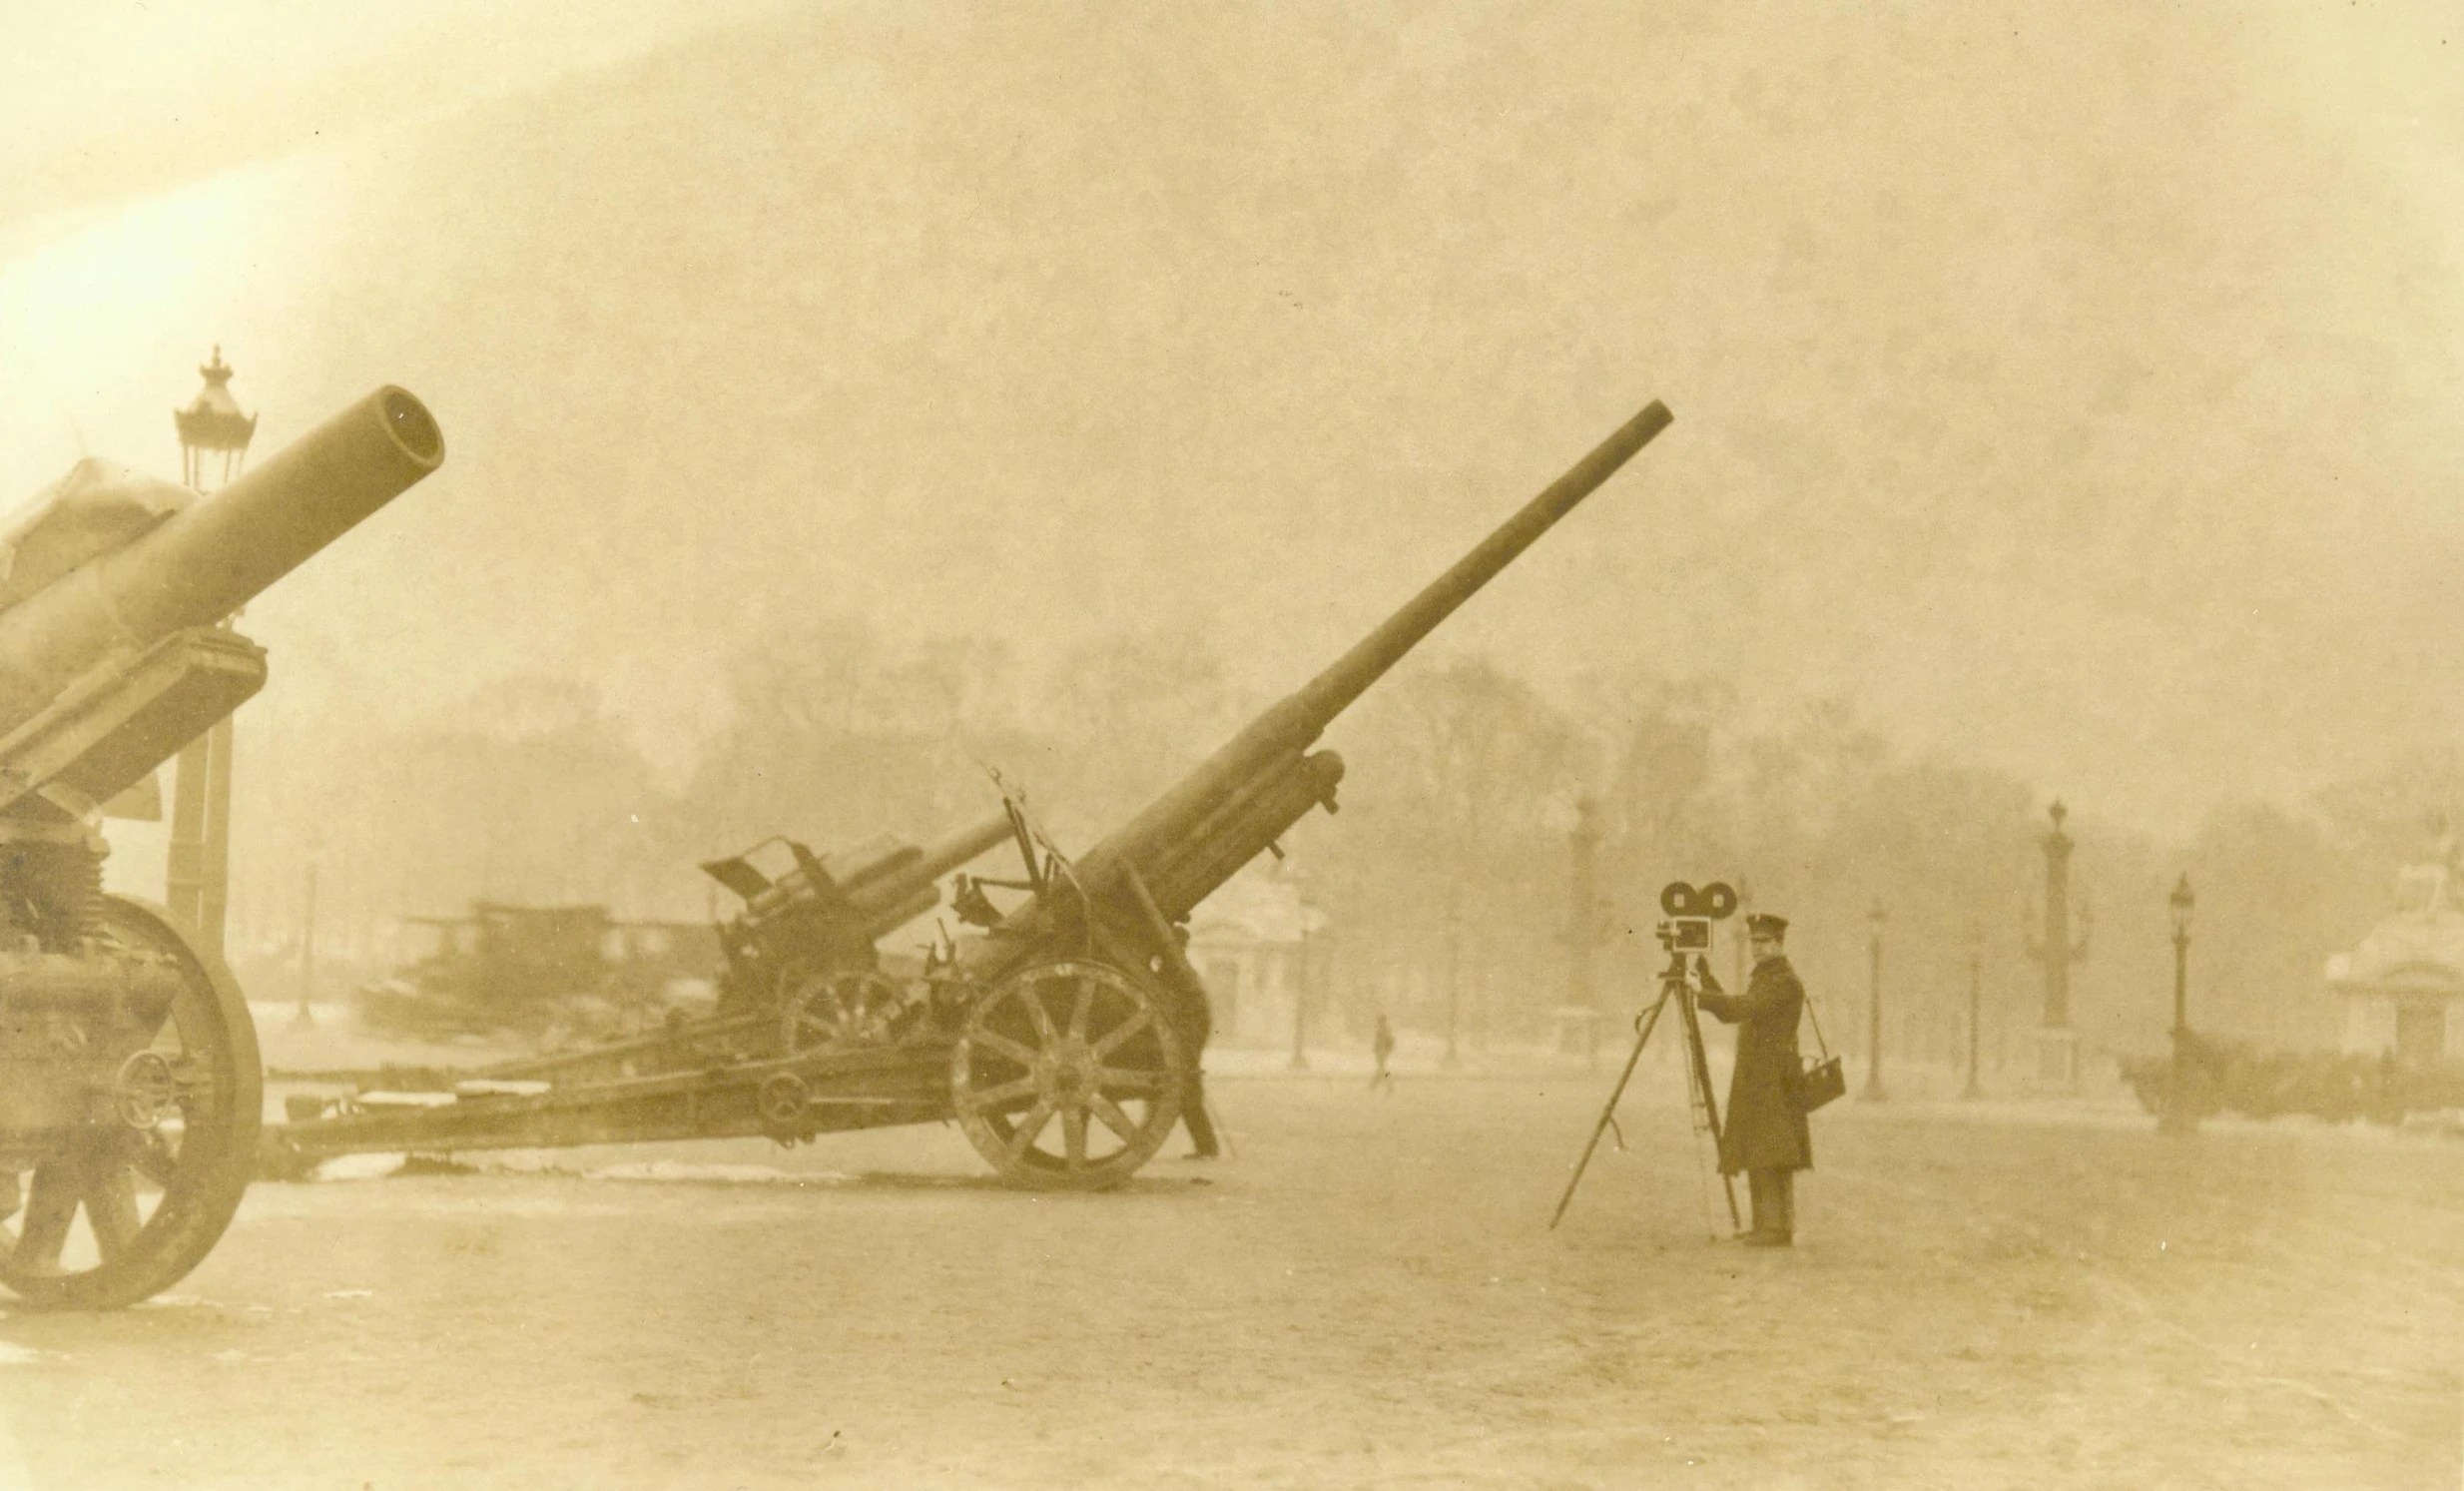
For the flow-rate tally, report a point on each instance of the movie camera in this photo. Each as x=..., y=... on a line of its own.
x=1690, y=914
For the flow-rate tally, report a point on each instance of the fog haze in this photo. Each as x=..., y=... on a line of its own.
x=2045, y=601
x=2073, y=395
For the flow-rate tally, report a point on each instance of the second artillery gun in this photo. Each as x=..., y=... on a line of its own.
x=538, y=972
x=1062, y=1034
x=130, y=1093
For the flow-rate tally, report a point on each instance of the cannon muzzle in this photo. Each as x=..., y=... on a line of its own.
x=213, y=556
x=1274, y=740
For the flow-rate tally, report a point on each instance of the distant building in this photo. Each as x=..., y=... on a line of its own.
x=1250, y=942
x=2403, y=988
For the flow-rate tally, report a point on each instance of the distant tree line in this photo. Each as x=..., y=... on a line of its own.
x=1446, y=878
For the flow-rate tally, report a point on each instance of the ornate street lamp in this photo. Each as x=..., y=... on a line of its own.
x=2179, y=1116
x=1873, y=1005
x=213, y=427
x=214, y=446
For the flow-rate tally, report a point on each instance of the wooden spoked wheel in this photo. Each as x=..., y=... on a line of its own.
x=1067, y=1077
x=843, y=1009
x=123, y=1208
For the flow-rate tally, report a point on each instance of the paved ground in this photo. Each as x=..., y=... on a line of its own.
x=1364, y=1294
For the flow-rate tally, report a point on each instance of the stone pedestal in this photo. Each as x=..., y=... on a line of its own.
x=2052, y=1059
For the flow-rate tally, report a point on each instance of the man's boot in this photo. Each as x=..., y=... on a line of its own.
x=1201, y=1125
x=1785, y=1192
x=1770, y=1192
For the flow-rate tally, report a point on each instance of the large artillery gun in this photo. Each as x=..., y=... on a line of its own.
x=129, y=1093
x=1063, y=1033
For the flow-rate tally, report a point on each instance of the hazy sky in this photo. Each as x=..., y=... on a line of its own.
x=2077, y=391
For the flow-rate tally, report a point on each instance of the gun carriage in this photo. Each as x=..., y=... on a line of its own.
x=129, y=1093
x=1062, y=1032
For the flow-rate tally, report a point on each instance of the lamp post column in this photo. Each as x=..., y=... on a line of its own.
x=2180, y=1116
x=2056, y=1044
x=214, y=446
x=1301, y=983
x=1873, y=1006
x=1976, y=1005
x=308, y=948
x=1585, y=922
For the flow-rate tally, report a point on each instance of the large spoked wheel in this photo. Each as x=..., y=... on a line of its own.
x=1067, y=1077
x=123, y=1212
x=820, y=1011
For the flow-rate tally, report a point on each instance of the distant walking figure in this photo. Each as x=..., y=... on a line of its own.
x=1382, y=1045
x=1765, y=1134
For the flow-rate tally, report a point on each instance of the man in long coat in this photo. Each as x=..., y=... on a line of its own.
x=1765, y=1133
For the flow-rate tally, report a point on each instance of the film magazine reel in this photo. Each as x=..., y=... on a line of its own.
x=1690, y=913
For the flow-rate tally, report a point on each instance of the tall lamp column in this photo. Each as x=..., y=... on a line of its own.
x=1976, y=1003
x=1300, y=1005
x=1873, y=1006
x=1587, y=922
x=214, y=447
x=2179, y=1117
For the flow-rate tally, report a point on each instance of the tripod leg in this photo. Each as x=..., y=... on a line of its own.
x=1701, y=1068
x=1608, y=1114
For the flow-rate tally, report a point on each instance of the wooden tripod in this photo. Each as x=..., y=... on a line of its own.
x=1674, y=987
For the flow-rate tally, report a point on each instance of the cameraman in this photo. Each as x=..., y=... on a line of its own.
x=1765, y=1134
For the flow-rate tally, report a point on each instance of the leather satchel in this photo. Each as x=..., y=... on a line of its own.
x=1823, y=1079
x=1821, y=1082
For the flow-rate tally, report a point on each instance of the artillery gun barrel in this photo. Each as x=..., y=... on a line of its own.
x=209, y=559
x=1332, y=691
x=1290, y=726
x=893, y=900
